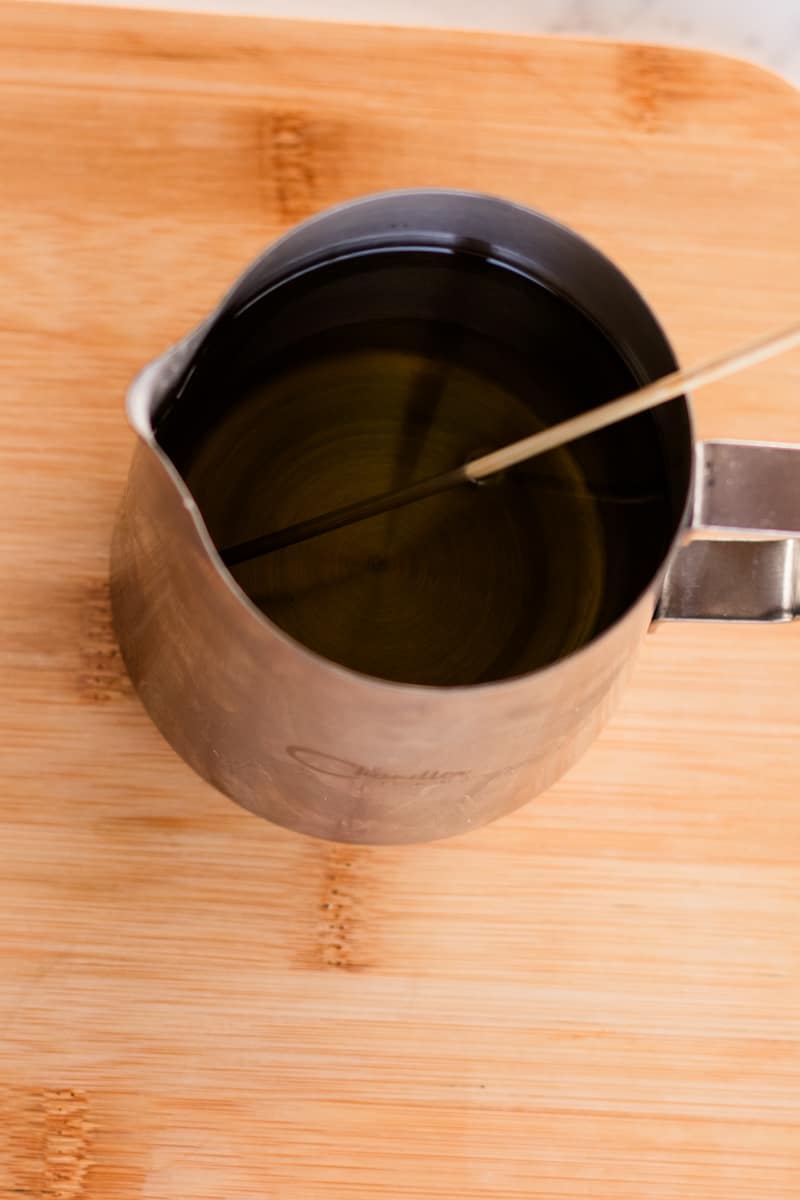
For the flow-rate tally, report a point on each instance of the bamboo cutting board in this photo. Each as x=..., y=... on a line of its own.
x=598, y=997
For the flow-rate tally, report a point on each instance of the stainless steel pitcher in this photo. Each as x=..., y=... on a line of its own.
x=327, y=751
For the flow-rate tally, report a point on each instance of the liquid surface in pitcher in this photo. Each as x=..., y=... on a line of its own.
x=370, y=373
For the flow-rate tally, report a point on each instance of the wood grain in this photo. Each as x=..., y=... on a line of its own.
x=598, y=997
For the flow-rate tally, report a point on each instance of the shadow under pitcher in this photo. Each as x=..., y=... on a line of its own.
x=417, y=674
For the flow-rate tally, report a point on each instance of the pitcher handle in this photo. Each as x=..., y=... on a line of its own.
x=753, y=488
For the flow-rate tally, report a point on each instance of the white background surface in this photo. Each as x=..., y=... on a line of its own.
x=767, y=31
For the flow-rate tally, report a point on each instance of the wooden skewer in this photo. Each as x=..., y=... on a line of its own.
x=650, y=396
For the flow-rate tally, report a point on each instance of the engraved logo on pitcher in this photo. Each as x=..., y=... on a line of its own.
x=344, y=768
